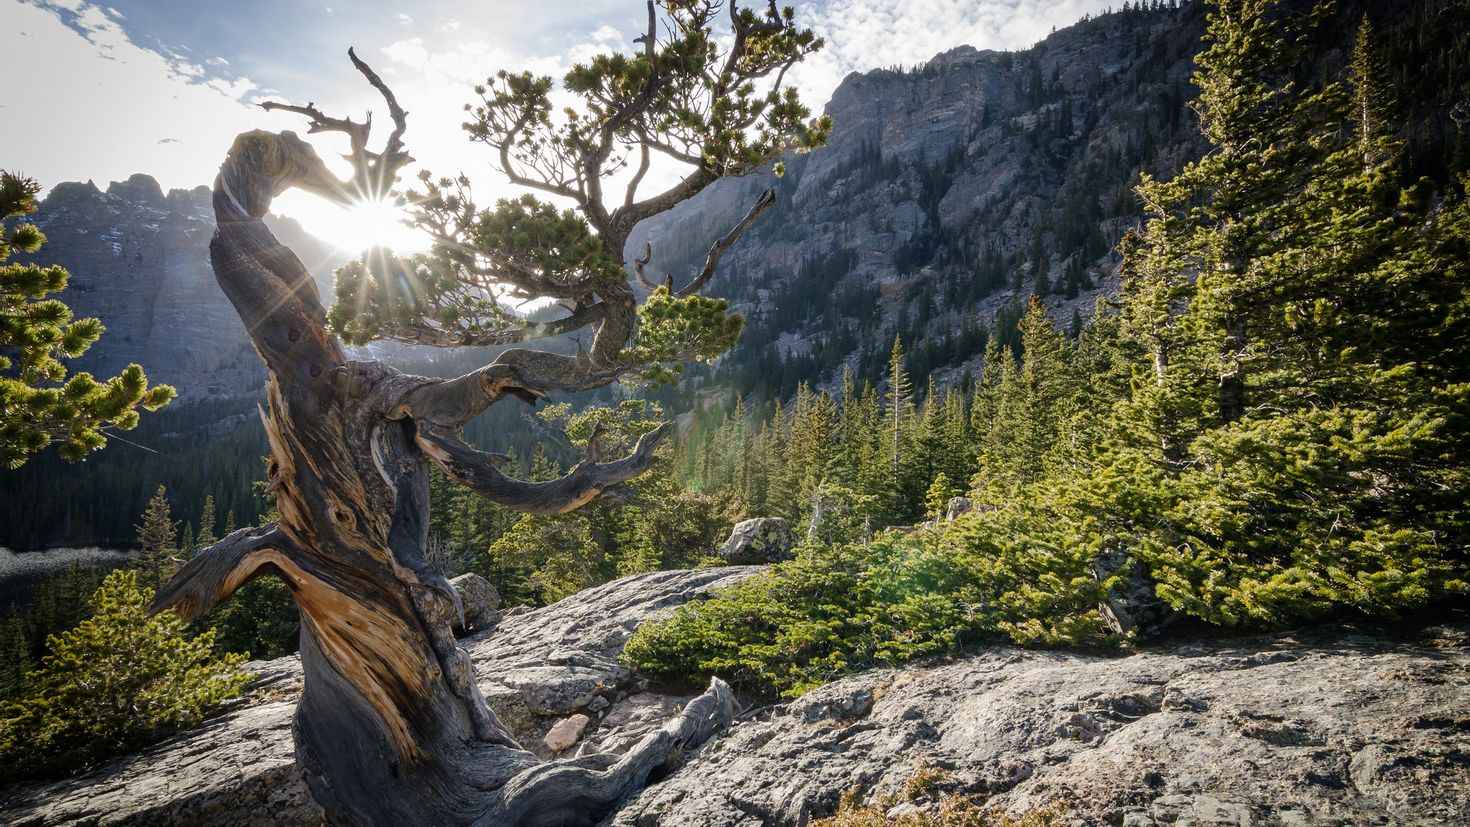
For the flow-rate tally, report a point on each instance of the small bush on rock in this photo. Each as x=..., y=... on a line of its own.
x=954, y=810
x=837, y=609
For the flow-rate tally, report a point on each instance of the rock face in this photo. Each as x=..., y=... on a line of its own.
x=239, y=769
x=1331, y=725
x=139, y=261
x=761, y=540
x=948, y=192
x=1133, y=606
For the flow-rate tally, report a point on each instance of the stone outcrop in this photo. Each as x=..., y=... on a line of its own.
x=760, y=540
x=1328, y=725
x=239, y=770
x=1133, y=606
x=958, y=506
x=480, y=600
x=1332, y=725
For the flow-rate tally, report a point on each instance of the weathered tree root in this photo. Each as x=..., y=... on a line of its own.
x=580, y=791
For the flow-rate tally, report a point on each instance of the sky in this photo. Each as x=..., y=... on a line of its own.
x=100, y=91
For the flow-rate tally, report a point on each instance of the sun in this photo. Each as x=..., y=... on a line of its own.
x=354, y=229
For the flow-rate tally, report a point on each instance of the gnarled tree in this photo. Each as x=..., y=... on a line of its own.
x=391, y=728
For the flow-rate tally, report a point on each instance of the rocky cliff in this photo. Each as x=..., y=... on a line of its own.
x=1327, y=725
x=949, y=191
x=139, y=261
x=953, y=190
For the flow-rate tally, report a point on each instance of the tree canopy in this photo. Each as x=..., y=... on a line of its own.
x=707, y=97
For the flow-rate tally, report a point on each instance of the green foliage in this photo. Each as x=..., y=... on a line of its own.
x=926, y=787
x=673, y=330
x=114, y=682
x=556, y=552
x=840, y=608
x=703, y=108
x=1295, y=440
x=58, y=603
x=1023, y=409
x=100, y=500
x=648, y=524
x=441, y=298
x=259, y=620
x=205, y=537
x=936, y=499
x=39, y=404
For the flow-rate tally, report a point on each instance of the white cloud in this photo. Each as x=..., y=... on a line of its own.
x=404, y=19
x=607, y=35
x=103, y=105
x=872, y=34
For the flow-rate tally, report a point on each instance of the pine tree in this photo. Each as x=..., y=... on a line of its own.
x=112, y=682
x=936, y=499
x=900, y=403
x=15, y=655
x=157, y=542
x=206, y=524
x=898, y=496
x=1295, y=396
x=1372, y=97
x=39, y=404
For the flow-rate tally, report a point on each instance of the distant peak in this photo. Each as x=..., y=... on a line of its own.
x=957, y=55
x=69, y=192
x=138, y=188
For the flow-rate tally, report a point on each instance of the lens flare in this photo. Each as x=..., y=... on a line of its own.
x=354, y=229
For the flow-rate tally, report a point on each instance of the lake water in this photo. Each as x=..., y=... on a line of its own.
x=20, y=571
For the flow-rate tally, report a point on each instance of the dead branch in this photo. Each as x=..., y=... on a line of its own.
x=579, y=486
x=717, y=250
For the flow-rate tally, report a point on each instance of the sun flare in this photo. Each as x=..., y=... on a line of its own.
x=354, y=229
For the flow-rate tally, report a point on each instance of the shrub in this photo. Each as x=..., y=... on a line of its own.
x=839, y=608
x=954, y=810
x=112, y=683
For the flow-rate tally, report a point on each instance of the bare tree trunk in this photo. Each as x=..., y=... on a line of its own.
x=391, y=728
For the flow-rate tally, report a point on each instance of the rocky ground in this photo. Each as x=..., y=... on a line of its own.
x=1328, y=725
x=1332, y=725
x=536, y=669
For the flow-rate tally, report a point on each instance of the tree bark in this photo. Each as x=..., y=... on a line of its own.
x=391, y=727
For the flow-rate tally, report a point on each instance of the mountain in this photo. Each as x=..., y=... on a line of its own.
x=952, y=191
x=949, y=191
x=139, y=261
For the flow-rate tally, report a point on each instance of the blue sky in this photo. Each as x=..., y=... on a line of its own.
x=162, y=86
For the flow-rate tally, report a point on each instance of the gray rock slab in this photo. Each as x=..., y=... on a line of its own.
x=1329, y=726
x=239, y=769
